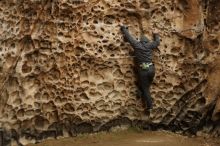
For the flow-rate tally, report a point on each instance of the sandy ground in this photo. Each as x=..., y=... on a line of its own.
x=130, y=138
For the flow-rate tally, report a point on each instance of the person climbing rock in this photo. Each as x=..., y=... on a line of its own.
x=143, y=62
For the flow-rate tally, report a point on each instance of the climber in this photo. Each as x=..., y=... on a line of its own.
x=143, y=62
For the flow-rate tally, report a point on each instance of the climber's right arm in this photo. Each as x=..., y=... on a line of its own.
x=128, y=37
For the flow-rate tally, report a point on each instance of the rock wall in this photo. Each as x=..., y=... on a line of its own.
x=65, y=68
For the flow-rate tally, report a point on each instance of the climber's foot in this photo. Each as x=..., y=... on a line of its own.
x=147, y=112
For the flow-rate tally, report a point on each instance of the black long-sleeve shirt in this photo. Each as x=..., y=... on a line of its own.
x=142, y=50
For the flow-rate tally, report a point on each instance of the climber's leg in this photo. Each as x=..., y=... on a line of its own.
x=145, y=93
x=145, y=81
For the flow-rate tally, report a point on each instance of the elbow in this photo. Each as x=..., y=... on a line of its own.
x=155, y=45
x=158, y=43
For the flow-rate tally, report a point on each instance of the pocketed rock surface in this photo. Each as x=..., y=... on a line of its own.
x=66, y=69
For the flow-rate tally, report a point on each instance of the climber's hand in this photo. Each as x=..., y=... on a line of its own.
x=155, y=31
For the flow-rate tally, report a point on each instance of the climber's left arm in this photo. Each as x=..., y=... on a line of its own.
x=156, y=41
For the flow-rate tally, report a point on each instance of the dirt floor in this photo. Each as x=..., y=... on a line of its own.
x=130, y=138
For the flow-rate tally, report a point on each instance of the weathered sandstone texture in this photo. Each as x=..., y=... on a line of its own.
x=65, y=68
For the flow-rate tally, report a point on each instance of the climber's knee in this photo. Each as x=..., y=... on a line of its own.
x=139, y=93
